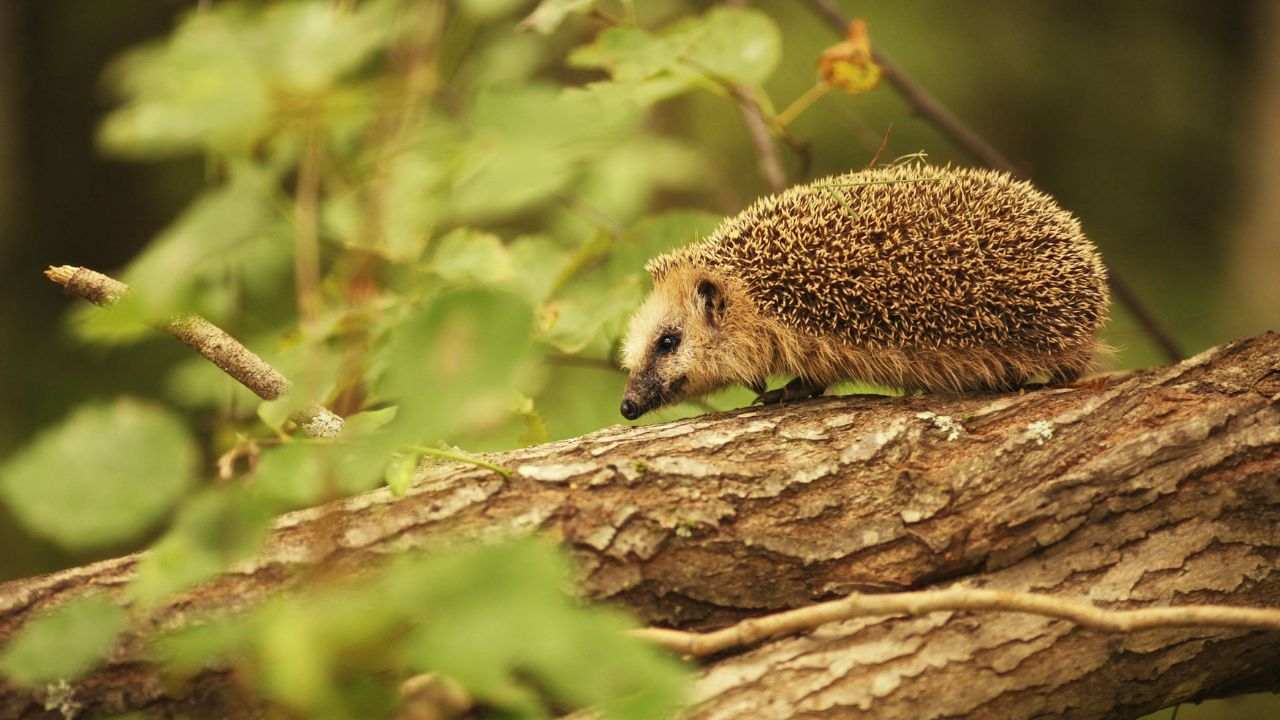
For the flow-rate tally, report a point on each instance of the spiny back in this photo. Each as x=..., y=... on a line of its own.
x=914, y=257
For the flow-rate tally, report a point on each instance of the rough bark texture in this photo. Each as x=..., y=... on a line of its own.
x=1157, y=488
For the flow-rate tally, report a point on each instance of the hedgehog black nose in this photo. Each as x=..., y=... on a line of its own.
x=629, y=410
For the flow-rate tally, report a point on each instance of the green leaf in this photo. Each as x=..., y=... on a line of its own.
x=213, y=530
x=296, y=665
x=103, y=475
x=643, y=93
x=528, y=144
x=739, y=44
x=735, y=44
x=589, y=313
x=550, y=13
x=305, y=650
x=308, y=46
x=235, y=228
x=593, y=404
x=197, y=646
x=629, y=53
x=312, y=365
x=659, y=234
x=127, y=320
x=579, y=656
x=400, y=472
x=63, y=643
x=198, y=383
x=411, y=194
x=367, y=422
x=535, y=428
x=495, y=617
x=509, y=60
x=222, y=80
x=453, y=365
x=201, y=88
x=541, y=261
x=504, y=177
x=621, y=185
x=466, y=256
x=295, y=475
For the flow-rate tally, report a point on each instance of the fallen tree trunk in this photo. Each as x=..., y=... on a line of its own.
x=1156, y=488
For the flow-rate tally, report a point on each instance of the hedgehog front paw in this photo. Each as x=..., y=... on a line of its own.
x=798, y=389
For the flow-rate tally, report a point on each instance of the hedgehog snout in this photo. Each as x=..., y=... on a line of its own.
x=630, y=410
x=645, y=392
x=639, y=398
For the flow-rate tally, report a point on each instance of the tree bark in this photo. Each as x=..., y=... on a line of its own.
x=1156, y=488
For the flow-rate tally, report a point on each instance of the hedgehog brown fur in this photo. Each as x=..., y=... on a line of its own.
x=913, y=276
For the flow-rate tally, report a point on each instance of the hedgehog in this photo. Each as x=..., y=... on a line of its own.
x=919, y=277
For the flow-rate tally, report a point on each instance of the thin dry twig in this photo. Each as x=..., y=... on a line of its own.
x=941, y=117
x=775, y=132
x=923, y=602
x=762, y=139
x=209, y=340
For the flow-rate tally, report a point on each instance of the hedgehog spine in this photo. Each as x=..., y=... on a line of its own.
x=917, y=277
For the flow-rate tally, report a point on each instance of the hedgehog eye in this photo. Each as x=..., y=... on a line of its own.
x=668, y=343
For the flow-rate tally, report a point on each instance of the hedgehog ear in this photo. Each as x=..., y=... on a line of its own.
x=712, y=301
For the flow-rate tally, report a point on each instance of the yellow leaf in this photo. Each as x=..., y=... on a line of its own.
x=848, y=65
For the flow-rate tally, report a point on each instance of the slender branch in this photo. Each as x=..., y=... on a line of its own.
x=802, y=103
x=942, y=118
x=211, y=341
x=762, y=125
x=462, y=457
x=1085, y=614
x=229, y=355
x=761, y=139
x=1155, y=332
x=953, y=128
x=306, y=213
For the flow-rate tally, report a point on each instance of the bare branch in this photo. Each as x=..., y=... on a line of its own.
x=1085, y=614
x=229, y=354
x=761, y=139
x=306, y=217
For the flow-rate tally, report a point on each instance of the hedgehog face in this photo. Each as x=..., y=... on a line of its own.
x=672, y=343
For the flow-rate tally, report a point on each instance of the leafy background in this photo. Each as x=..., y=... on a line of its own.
x=433, y=217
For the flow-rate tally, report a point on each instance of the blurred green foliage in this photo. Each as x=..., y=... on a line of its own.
x=104, y=475
x=493, y=618
x=420, y=236
x=436, y=224
x=63, y=643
